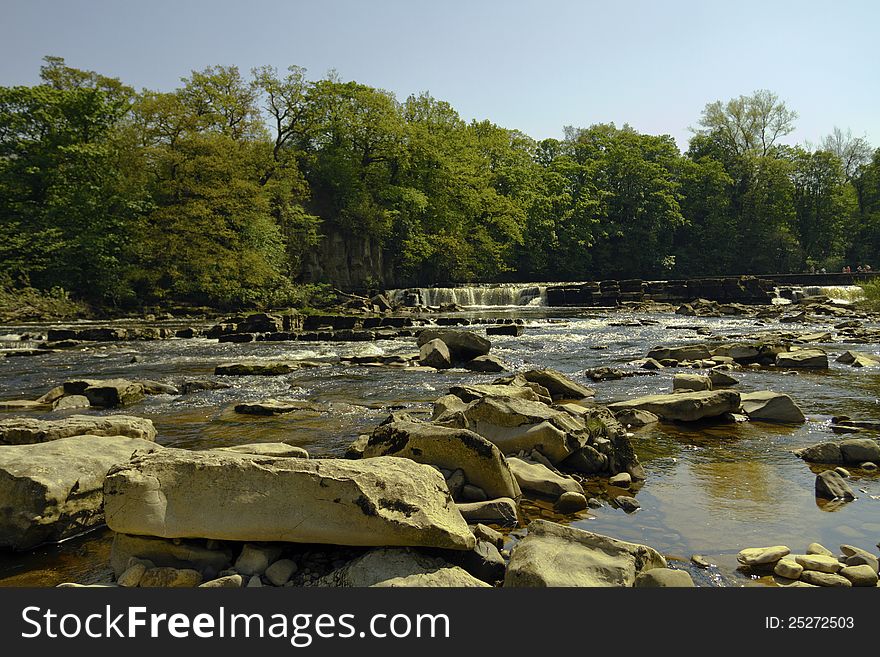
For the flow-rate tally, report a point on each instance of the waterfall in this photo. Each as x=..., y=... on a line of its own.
x=837, y=293
x=480, y=296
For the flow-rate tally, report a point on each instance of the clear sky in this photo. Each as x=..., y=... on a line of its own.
x=535, y=66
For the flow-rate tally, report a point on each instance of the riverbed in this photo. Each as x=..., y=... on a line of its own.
x=711, y=489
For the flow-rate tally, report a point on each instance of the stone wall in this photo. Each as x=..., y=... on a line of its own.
x=745, y=289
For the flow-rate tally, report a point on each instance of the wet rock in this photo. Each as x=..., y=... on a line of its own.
x=225, y=582
x=376, y=501
x=537, y=478
x=281, y=407
x=768, y=406
x=558, y=385
x=721, y=379
x=651, y=364
x=591, y=560
x=824, y=579
x=827, y=452
x=281, y=450
x=198, y=385
x=486, y=364
x=108, y=393
x=858, y=359
x=762, y=556
x=158, y=388
x=803, y=358
x=164, y=577
x=189, y=554
x=688, y=352
x=692, y=382
x=472, y=392
x=634, y=417
x=627, y=503
x=831, y=486
x=481, y=461
x=514, y=330
x=388, y=567
x=860, y=575
x=435, y=353
x=622, y=480
x=53, y=490
x=859, y=450
x=700, y=561
x=571, y=502
x=463, y=345
x=501, y=512
x=71, y=402
x=664, y=578
x=264, y=368
x=818, y=562
x=684, y=406
x=27, y=431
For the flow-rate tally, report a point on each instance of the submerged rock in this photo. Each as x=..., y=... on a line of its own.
x=379, y=501
x=280, y=407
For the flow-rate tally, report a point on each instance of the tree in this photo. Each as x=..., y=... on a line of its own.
x=853, y=152
x=748, y=124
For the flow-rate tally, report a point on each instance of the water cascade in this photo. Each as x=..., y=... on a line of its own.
x=481, y=296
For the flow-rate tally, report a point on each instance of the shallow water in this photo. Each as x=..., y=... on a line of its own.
x=710, y=489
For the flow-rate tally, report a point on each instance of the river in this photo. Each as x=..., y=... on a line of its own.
x=710, y=489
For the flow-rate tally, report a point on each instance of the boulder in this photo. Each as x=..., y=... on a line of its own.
x=463, y=345
x=176, y=493
x=486, y=364
x=692, y=382
x=190, y=554
x=107, y=393
x=555, y=555
x=634, y=417
x=53, y=490
x=859, y=359
x=435, y=353
x=768, y=406
x=446, y=406
x=688, y=352
x=515, y=330
x=859, y=450
x=538, y=478
x=664, y=578
x=721, y=379
x=860, y=575
x=803, y=358
x=501, y=511
x=282, y=450
x=571, y=502
x=254, y=559
x=558, y=385
x=280, y=407
x=827, y=452
x=482, y=463
x=684, y=406
x=27, y=431
x=395, y=567
x=198, y=385
x=830, y=485
x=472, y=392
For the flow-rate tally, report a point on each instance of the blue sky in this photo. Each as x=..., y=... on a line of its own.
x=535, y=66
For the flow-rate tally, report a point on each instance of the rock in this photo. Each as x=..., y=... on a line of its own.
x=281, y=407
x=71, y=402
x=158, y=388
x=831, y=486
x=860, y=575
x=260, y=368
x=762, y=556
x=622, y=480
x=486, y=364
x=197, y=385
x=463, y=345
x=52, y=396
x=651, y=364
x=132, y=576
x=435, y=353
x=627, y=503
x=634, y=417
x=589, y=559
x=515, y=330
x=165, y=577
x=193, y=555
x=803, y=358
x=571, y=502
x=684, y=406
x=692, y=382
x=482, y=462
x=559, y=385
x=107, y=393
x=818, y=548
x=485, y=533
x=689, y=352
x=768, y=406
x=471, y=493
x=538, y=478
x=721, y=379
x=23, y=405
x=515, y=425
x=824, y=579
x=255, y=559
x=827, y=452
x=700, y=561
x=664, y=578
x=27, y=431
x=254, y=582
x=281, y=450
x=483, y=562
x=455, y=482
x=859, y=359
x=501, y=511
x=789, y=568
x=53, y=490
x=378, y=501
x=859, y=450
x=854, y=556
x=446, y=407
x=819, y=562
x=225, y=582
x=399, y=568
x=280, y=572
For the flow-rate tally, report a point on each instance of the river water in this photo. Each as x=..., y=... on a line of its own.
x=710, y=489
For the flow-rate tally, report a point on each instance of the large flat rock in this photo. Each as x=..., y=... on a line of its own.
x=383, y=501
x=768, y=406
x=482, y=462
x=53, y=490
x=27, y=431
x=684, y=406
x=555, y=555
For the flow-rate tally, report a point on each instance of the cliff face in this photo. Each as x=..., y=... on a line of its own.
x=347, y=261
